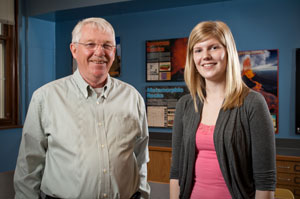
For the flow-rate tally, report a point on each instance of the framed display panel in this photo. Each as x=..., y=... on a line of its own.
x=115, y=69
x=297, y=91
x=259, y=70
x=165, y=59
x=161, y=103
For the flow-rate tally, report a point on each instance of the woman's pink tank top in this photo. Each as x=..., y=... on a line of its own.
x=209, y=181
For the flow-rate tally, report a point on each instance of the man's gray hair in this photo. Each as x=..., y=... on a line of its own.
x=100, y=23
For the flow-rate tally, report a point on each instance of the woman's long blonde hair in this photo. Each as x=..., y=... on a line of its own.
x=235, y=89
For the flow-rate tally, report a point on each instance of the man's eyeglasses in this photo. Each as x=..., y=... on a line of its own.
x=94, y=46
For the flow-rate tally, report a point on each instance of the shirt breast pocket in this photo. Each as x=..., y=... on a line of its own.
x=128, y=130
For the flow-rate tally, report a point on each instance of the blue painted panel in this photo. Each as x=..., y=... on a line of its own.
x=41, y=68
x=40, y=55
x=9, y=148
x=63, y=54
x=40, y=34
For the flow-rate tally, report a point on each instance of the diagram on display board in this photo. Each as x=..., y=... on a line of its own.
x=161, y=103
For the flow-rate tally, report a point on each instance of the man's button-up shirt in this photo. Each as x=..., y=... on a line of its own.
x=77, y=144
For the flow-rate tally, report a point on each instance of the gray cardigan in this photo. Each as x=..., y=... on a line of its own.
x=244, y=141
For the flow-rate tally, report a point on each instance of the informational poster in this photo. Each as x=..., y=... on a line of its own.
x=260, y=72
x=161, y=103
x=115, y=69
x=297, y=75
x=166, y=59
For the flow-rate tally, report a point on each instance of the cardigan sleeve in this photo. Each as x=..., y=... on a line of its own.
x=177, y=133
x=262, y=143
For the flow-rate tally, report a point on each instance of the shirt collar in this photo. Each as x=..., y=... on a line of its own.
x=107, y=86
x=86, y=89
x=81, y=83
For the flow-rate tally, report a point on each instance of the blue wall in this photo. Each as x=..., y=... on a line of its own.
x=40, y=54
x=9, y=146
x=256, y=25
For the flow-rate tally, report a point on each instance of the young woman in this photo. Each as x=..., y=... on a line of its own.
x=223, y=137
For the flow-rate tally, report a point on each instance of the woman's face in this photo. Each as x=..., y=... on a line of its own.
x=210, y=58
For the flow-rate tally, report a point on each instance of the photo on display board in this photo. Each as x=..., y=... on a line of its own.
x=259, y=70
x=165, y=59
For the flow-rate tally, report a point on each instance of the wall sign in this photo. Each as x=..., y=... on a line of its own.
x=161, y=103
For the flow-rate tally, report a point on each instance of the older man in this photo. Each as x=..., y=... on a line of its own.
x=85, y=135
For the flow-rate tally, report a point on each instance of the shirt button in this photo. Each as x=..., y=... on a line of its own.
x=104, y=170
x=98, y=102
x=99, y=124
x=104, y=195
x=102, y=145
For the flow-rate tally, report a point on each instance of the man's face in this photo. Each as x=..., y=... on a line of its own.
x=94, y=54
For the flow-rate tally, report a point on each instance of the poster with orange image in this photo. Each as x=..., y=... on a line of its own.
x=165, y=59
x=259, y=69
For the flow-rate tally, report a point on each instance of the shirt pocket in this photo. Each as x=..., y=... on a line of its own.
x=128, y=130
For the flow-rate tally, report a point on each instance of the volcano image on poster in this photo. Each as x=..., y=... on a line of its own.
x=259, y=70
